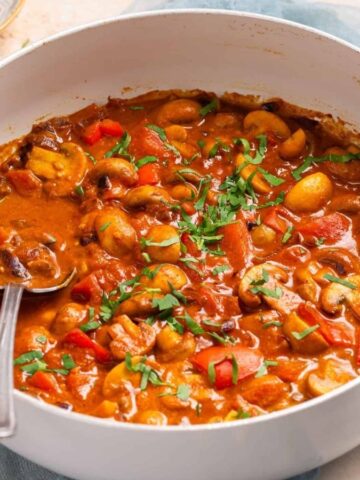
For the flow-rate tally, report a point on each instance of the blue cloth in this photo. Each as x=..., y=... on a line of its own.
x=340, y=20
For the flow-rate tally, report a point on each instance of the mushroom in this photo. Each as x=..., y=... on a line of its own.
x=116, y=235
x=163, y=243
x=266, y=281
x=335, y=294
x=248, y=170
x=260, y=121
x=309, y=194
x=171, y=346
x=114, y=168
x=343, y=261
x=310, y=344
x=129, y=337
x=293, y=146
x=349, y=203
x=146, y=195
x=310, y=278
x=333, y=374
x=139, y=304
x=180, y=111
x=164, y=278
x=68, y=317
x=61, y=170
x=114, y=381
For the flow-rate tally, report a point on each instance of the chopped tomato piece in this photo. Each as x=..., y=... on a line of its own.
x=273, y=220
x=147, y=142
x=25, y=182
x=45, y=381
x=331, y=228
x=337, y=334
x=236, y=243
x=79, y=339
x=92, y=133
x=111, y=128
x=191, y=248
x=248, y=362
x=148, y=174
x=87, y=289
x=289, y=370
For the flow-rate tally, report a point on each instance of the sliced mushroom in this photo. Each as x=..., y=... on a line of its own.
x=180, y=111
x=335, y=294
x=332, y=375
x=343, y=261
x=68, y=317
x=260, y=121
x=310, y=344
x=171, y=346
x=146, y=195
x=310, y=277
x=116, y=235
x=114, y=168
x=349, y=203
x=129, y=337
x=61, y=170
x=139, y=304
x=269, y=278
x=294, y=145
x=258, y=182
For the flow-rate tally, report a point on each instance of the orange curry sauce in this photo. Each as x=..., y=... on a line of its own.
x=216, y=251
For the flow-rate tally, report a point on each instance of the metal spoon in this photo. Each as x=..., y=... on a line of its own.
x=8, y=317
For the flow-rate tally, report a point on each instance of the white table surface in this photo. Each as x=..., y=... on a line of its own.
x=40, y=18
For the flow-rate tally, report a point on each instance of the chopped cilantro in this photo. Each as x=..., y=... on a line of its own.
x=145, y=160
x=305, y=333
x=341, y=281
x=288, y=234
x=208, y=108
x=121, y=148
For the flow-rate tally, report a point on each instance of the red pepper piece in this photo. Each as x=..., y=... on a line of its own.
x=79, y=339
x=111, y=128
x=248, y=362
x=92, y=133
x=337, y=334
x=148, y=174
x=45, y=381
x=331, y=227
x=236, y=243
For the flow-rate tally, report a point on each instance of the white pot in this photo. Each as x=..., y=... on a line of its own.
x=211, y=50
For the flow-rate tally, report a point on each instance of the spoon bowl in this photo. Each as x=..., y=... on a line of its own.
x=8, y=317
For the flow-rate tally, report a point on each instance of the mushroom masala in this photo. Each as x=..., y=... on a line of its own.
x=216, y=247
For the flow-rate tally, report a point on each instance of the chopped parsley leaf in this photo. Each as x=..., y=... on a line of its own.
x=341, y=281
x=208, y=108
x=305, y=333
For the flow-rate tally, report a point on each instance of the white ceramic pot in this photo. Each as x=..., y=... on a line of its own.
x=211, y=50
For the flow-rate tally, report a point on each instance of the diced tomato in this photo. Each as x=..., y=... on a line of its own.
x=147, y=142
x=337, y=334
x=248, y=362
x=191, y=248
x=45, y=381
x=188, y=208
x=79, y=339
x=87, y=289
x=289, y=370
x=25, y=182
x=148, y=174
x=331, y=227
x=92, y=133
x=111, y=128
x=273, y=220
x=236, y=243
x=207, y=299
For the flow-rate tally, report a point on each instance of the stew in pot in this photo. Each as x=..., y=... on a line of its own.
x=216, y=248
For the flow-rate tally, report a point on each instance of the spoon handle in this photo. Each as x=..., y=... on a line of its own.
x=8, y=316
